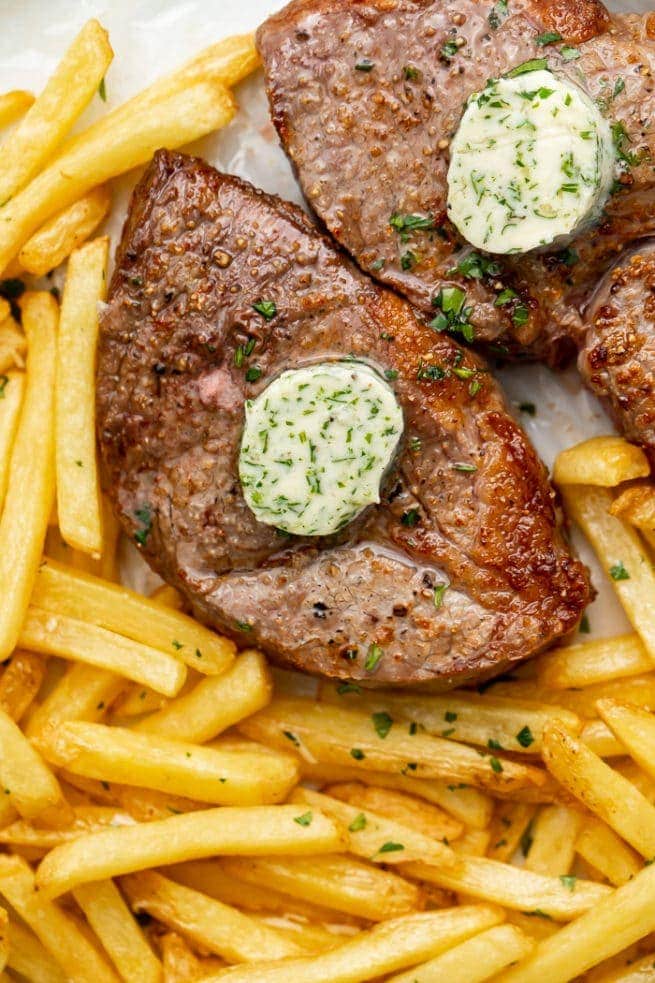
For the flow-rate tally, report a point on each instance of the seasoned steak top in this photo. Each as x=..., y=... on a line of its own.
x=466, y=503
x=366, y=96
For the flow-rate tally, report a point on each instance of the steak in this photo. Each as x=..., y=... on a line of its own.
x=466, y=500
x=366, y=95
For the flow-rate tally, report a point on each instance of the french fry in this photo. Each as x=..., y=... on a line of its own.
x=65, y=232
x=375, y=837
x=210, y=924
x=169, y=597
x=12, y=346
x=635, y=729
x=597, y=736
x=121, y=937
x=215, y=703
x=13, y=105
x=79, y=504
x=554, y=834
x=180, y=964
x=600, y=846
x=604, y=791
x=119, y=142
x=230, y=60
x=78, y=958
x=489, y=721
x=29, y=958
x=85, y=819
x=594, y=662
x=256, y=830
x=614, y=923
x=392, y=946
x=53, y=634
x=31, y=787
x=472, y=843
x=510, y=823
x=346, y=737
x=20, y=683
x=12, y=387
x=4, y=938
x=137, y=700
x=67, y=93
x=513, y=887
x=605, y=461
x=83, y=693
x=31, y=486
x=631, y=971
x=308, y=937
x=428, y=819
x=65, y=592
x=150, y=761
x=331, y=881
x=473, y=961
x=621, y=552
x=633, y=689
x=636, y=505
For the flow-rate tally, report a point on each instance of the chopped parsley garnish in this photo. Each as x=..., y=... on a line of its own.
x=525, y=737
x=569, y=881
x=382, y=723
x=267, y=309
x=377, y=265
x=466, y=468
x=568, y=256
x=391, y=374
x=622, y=140
x=454, y=316
x=496, y=765
x=475, y=266
x=449, y=50
x=431, y=372
x=450, y=716
x=569, y=53
x=585, y=625
x=177, y=645
x=548, y=37
x=358, y=823
x=357, y=754
x=494, y=745
x=243, y=626
x=144, y=516
x=505, y=297
x=408, y=260
x=498, y=14
x=411, y=73
x=533, y=65
x=619, y=572
x=520, y=315
x=102, y=90
x=391, y=847
x=291, y=737
x=404, y=224
x=304, y=820
x=253, y=373
x=415, y=444
x=438, y=595
x=410, y=518
x=344, y=688
x=619, y=87
x=373, y=657
x=365, y=65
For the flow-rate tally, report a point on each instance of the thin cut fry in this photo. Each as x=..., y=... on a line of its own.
x=77, y=594
x=422, y=816
x=640, y=971
x=12, y=346
x=604, y=791
x=636, y=505
x=79, y=505
x=4, y=938
x=12, y=387
x=473, y=961
x=118, y=142
x=255, y=830
x=20, y=683
x=605, y=461
x=83, y=693
x=30, y=785
x=607, y=853
x=67, y=93
x=635, y=729
x=599, y=661
x=86, y=819
x=623, y=917
x=511, y=821
x=31, y=487
x=392, y=946
x=554, y=833
x=78, y=958
x=122, y=939
x=29, y=958
x=64, y=232
x=210, y=924
x=13, y=105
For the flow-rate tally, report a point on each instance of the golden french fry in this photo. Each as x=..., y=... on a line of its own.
x=137, y=700
x=554, y=833
x=639, y=971
x=422, y=816
x=635, y=729
x=83, y=693
x=604, y=791
x=79, y=505
x=346, y=737
x=392, y=946
x=375, y=837
x=78, y=958
x=30, y=786
x=12, y=387
x=65, y=232
x=599, y=661
x=473, y=843
x=148, y=760
x=67, y=93
x=632, y=689
x=606, y=852
x=14, y=104
x=615, y=922
x=473, y=961
x=179, y=962
x=511, y=822
x=31, y=486
x=120, y=141
x=308, y=937
x=210, y=924
x=29, y=958
x=20, y=683
x=121, y=936
x=621, y=552
x=605, y=461
x=490, y=721
x=597, y=736
x=73, y=593
x=4, y=938
x=53, y=634
x=513, y=887
x=85, y=819
x=253, y=831
x=636, y=505
x=169, y=597
x=215, y=703
x=12, y=346
x=229, y=60
x=332, y=881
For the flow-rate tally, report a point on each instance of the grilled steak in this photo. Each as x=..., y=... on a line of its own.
x=366, y=95
x=466, y=502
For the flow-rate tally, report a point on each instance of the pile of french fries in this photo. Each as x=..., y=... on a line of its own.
x=171, y=809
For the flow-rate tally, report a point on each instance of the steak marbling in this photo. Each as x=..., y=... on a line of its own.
x=199, y=249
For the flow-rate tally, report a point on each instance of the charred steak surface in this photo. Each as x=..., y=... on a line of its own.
x=366, y=95
x=467, y=501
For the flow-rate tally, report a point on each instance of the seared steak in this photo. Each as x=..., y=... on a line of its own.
x=467, y=501
x=366, y=95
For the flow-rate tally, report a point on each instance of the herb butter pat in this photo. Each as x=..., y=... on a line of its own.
x=532, y=163
x=316, y=444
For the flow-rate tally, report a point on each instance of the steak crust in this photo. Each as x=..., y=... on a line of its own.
x=199, y=249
